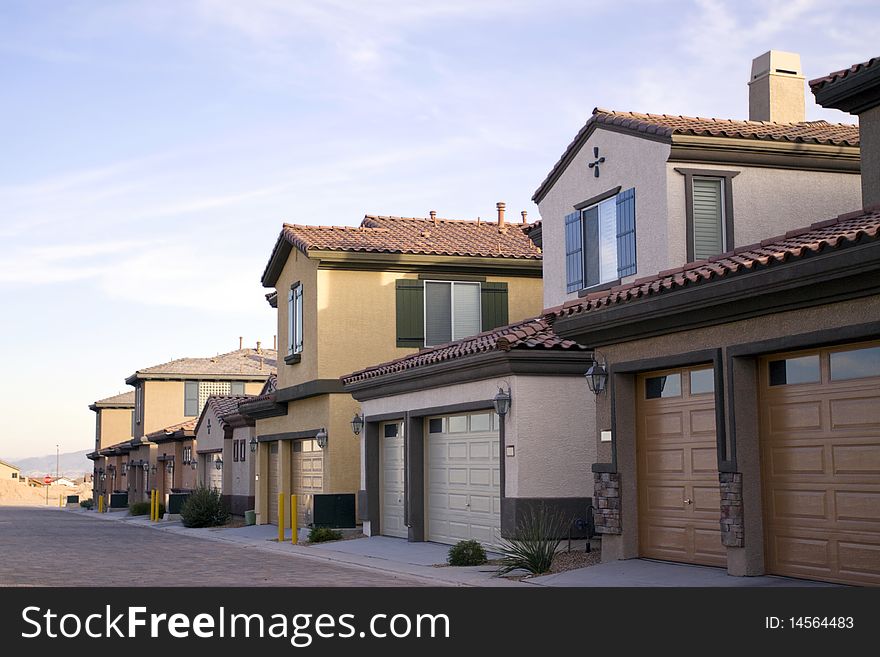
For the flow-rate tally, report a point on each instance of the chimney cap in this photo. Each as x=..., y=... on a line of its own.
x=776, y=62
x=500, y=205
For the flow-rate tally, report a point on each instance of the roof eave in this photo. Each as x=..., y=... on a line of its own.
x=854, y=93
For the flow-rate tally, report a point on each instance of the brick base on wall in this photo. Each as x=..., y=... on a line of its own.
x=606, y=502
x=731, y=509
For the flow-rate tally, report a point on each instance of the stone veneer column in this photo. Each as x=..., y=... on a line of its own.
x=732, y=529
x=606, y=502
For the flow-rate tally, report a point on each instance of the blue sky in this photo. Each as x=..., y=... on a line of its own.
x=151, y=150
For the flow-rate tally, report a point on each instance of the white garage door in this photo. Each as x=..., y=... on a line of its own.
x=213, y=475
x=273, y=484
x=308, y=477
x=391, y=522
x=463, y=478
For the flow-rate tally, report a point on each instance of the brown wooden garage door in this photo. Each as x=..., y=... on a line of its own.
x=679, y=494
x=274, y=484
x=820, y=455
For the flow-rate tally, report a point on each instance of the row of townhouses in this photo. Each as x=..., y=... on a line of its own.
x=682, y=355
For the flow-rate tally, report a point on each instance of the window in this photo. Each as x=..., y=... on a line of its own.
x=295, y=319
x=803, y=369
x=242, y=450
x=235, y=451
x=452, y=311
x=190, y=398
x=709, y=210
x=657, y=387
x=236, y=388
x=702, y=381
x=132, y=424
x=138, y=405
x=15, y=475
x=855, y=364
x=600, y=241
x=390, y=430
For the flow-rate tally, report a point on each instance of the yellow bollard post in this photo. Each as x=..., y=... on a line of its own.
x=60, y=505
x=152, y=503
x=293, y=519
x=155, y=505
x=101, y=504
x=280, y=517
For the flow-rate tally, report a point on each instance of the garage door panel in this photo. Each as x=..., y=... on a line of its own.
x=856, y=459
x=707, y=547
x=863, y=412
x=670, y=498
x=821, y=485
x=480, y=477
x=704, y=460
x=702, y=421
x=664, y=460
x=665, y=542
x=457, y=450
x=707, y=499
x=480, y=450
x=457, y=476
x=659, y=425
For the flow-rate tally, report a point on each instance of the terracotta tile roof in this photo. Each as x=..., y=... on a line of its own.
x=122, y=399
x=451, y=237
x=271, y=385
x=534, y=333
x=837, y=233
x=226, y=405
x=667, y=125
x=188, y=425
x=831, y=78
x=243, y=362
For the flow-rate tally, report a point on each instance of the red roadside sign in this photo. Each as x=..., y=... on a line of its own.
x=47, y=479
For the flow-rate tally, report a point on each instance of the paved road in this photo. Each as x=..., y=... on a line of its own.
x=41, y=547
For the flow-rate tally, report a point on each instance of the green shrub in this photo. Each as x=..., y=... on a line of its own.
x=143, y=509
x=538, y=535
x=466, y=553
x=322, y=534
x=204, y=508
x=87, y=504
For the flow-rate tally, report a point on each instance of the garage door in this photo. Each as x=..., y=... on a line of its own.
x=274, y=484
x=820, y=456
x=391, y=522
x=463, y=485
x=212, y=474
x=308, y=477
x=679, y=494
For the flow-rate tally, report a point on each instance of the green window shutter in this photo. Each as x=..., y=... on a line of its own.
x=493, y=299
x=410, y=312
x=191, y=398
x=708, y=195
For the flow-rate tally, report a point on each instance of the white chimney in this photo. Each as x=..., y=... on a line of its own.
x=776, y=88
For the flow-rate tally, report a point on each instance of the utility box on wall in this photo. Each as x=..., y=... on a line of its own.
x=175, y=502
x=335, y=510
x=119, y=500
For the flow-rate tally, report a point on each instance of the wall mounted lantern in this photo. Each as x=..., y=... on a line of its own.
x=357, y=424
x=169, y=467
x=321, y=437
x=253, y=443
x=502, y=402
x=597, y=377
x=193, y=464
x=145, y=465
x=218, y=463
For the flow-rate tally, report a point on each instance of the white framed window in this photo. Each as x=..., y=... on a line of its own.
x=295, y=319
x=452, y=311
x=138, y=405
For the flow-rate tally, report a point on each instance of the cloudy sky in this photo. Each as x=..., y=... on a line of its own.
x=151, y=150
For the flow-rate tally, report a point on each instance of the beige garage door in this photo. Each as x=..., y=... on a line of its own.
x=679, y=495
x=463, y=478
x=308, y=477
x=274, y=484
x=391, y=522
x=820, y=456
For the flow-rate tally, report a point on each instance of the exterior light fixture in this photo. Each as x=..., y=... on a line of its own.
x=218, y=463
x=321, y=437
x=253, y=443
x=145, y=465
x=193, y=464
x=357, y=424
x=502, y=402
x=103, y=477
x=124, y=468
x=169, y=467
x=597, y=377
x=153, y=469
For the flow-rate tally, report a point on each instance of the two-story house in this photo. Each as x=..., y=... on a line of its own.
x=632, y=194
x=114, y=424
x=168, y=401
x=741, y=393
x=350, y=296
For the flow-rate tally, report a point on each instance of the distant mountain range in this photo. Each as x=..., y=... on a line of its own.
x=71, y=464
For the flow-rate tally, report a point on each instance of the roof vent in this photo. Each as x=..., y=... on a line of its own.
x=433, y=214
x=776, y=88
x=500, y=207
x=525, y=217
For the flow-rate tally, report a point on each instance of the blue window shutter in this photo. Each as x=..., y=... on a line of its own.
x=574, y=252
x=626, y=233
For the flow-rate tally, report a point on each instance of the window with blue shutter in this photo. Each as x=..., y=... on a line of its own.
x=626, y=233
x=574, y=253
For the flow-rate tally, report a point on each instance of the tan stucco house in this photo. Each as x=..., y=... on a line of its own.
x=169, y=398
x=351, y=296
x=114, y=424
x=9, y=471
x=742, y=400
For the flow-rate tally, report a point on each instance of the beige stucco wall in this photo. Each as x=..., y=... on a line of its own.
x=115, y=426
x=298, y=268
x=551, y=424
x=630, y=162
x=210, y=438
x=238, y=476
x=766, y=203
x=7, y=471
x=163, y=406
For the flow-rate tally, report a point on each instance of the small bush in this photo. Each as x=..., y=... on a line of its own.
x=322, y=534
x=143, y=509
x=466, y=553
x=87, y=504
x=204, y=508
x=537, y=538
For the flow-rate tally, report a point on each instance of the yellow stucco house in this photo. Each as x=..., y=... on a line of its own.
x=9, y=472
x=114, y=424
x=168, y=401
x=348, y=297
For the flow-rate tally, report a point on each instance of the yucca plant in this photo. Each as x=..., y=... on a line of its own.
x=538, y=535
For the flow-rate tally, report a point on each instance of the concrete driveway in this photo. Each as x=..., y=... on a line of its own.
x=642, y=572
